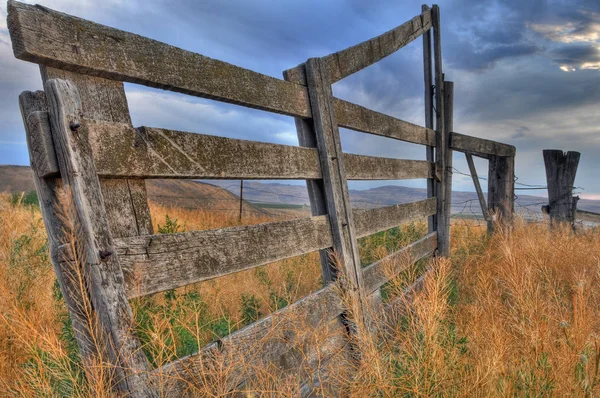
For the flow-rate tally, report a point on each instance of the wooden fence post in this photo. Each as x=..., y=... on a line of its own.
x=448, y=126
x=335, y=183
x=561, y=169
x=441, y=146
x=103, y=270
x=428, y=83
x=501, y=192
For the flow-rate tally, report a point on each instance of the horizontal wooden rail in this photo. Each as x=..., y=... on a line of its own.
x=359, y=118
x=479, y=146
x=154, y=263
x=368, y=222
x=277, y=338
x=51, y=38
x=346, y=62
x=121, y=151
x=360, y=167
x=588, y=216
x=380, y=272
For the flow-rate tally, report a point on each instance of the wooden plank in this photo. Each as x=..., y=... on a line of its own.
x=345, y=245
x=316, y=192
x=501, y=191
x=34, y=103
x=346, y=62
x=359, y=118
x=368, y=222
x=270, y=341
x=475, y=177
x=428, y=95
x=360, y=167
x=102, y=270
x=105, y=100
x=448, y=169
x=47, y=37
x=589, y=216
x=479, y=146
x=154, y=263
x=441, y=142
x=122, y=151
x=561, y=168
x=43, y=158
x=380, y=272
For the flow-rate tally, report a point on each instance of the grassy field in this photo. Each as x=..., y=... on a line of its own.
x=506, y=316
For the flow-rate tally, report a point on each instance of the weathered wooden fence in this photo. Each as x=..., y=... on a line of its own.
x=80, y=137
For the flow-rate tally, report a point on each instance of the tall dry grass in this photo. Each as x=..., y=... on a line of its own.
x=508, y=315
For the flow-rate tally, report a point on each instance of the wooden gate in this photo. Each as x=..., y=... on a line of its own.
x=81, y=138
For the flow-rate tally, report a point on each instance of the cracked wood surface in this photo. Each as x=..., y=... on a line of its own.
x=160, y=262
x=359, y=118
x=350, y=60
x=480, y=146
x=104, y=273
x=51, y=38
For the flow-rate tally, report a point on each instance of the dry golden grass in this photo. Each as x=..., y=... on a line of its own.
x=511, y=315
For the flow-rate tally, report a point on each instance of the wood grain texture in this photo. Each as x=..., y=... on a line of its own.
x=475, y=177
x=58, y=40
x=335, y=183
x=122, y=151
x=361, y=167
x=346, y=62
x=104, y=273
x=359, y=118
x=316, y=191
x=154, y=263
x=441, y=145
x=444, y=245
x=479, y=146
x=561, y=169
x=43, y=158
x=501, y=192
x=104, y=100
x=428, y=102
x=47, y=190
x=368, y=222
x=380, y=272
x=278, y=339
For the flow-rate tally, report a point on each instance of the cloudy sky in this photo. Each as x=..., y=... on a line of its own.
x=526, y=72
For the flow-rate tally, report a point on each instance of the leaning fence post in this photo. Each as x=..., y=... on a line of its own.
x=561, y=169
x=448, y=127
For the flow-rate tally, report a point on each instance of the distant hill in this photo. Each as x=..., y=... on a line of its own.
x=177, y=193
x=222, y=195
x=16, y=179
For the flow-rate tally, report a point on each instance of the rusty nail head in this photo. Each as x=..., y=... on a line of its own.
x=74, y=126
x=104, y=254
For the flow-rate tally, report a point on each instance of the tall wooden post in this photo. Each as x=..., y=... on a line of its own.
x=501, y=192
x=441, y=146
x=448, y=126
x=561, y=169
x=428, y=83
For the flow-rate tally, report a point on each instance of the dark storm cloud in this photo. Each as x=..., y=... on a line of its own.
x=576, y=55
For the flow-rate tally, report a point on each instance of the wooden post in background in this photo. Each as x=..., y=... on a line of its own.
x=441, y=142
x=448, y=126
x=428, y=82
x=501, y=192
x=561, y=169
